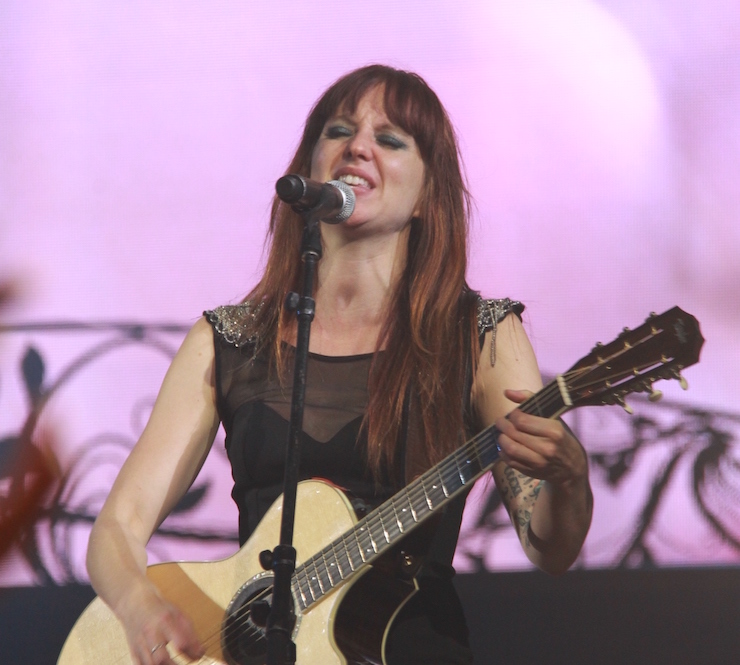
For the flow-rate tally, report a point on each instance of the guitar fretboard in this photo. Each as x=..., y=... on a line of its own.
x=394, y=519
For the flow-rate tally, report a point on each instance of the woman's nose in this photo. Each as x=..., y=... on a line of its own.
x=359, y=146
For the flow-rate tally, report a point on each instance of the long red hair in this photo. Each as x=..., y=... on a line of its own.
x=424, y=335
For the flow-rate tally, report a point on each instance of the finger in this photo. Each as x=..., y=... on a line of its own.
x=536, y=426
x=517, y=396
x=556, y=461
x=160, y=654
x=187, y=640
x=153, y=653
x=520, y=457
x=530, y=444
x=156, y=646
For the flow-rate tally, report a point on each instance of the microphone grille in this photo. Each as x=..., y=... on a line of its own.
x=349, y=202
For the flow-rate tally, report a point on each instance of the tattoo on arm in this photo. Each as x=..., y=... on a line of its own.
x=519, y=494
x=512, y=478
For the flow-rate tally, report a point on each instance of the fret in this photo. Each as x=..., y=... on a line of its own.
x=348, y=555
x=354, y=551
x=459, y=471
x=490, y=453
x=465, y=471
x=314, y=580
x=303, y=586
x=390, y=521
x=412, y=510
x=419, y=506
x=327, y=567
x=344, y=563
x=451, y=474
x=442, y=481
x=474, y=446
x=426, y=494
x=374, y=530
x=435, y=493
x=315, y=587
x=359, y=545
x=327, y=584
x=335, y=563
x=474, y=462
x=395, y=514
x=368, y=549
x=382, y=524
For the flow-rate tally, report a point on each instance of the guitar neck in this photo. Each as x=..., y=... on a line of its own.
x=383, y=527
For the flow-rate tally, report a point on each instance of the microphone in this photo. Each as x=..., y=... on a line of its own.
x=333, y=202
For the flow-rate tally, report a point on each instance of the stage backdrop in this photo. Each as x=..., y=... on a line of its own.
x=139, y=146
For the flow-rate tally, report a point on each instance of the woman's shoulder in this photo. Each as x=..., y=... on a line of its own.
x=234, y=324
x=491, y=311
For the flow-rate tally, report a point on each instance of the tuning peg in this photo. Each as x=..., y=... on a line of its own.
x=681, y=381
x=624, y=405
x=655, y=395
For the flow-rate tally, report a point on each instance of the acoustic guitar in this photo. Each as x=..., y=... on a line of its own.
x=354, y=575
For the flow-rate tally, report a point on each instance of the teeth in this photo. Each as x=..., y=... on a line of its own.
x=354, y=180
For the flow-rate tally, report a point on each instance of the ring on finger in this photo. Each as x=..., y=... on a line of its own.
x=156, y=647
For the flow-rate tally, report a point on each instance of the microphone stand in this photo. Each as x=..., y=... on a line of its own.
x=281, y=649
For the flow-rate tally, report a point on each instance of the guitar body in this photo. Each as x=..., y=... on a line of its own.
x=203, y=591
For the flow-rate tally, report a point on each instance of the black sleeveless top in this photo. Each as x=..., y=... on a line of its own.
x=254, y=407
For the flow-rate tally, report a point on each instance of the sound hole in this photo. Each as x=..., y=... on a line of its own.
x=243, y=641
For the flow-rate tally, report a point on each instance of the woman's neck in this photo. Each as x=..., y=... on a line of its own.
x=355, y=286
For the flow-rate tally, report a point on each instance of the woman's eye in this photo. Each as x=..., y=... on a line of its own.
x=338, y=131
x=391, y=141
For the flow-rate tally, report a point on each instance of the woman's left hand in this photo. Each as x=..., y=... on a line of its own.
x=540, y=447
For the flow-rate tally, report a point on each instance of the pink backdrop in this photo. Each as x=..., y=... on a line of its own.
x=139, y=147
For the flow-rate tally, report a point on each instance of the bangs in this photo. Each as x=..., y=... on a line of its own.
x=409, y=103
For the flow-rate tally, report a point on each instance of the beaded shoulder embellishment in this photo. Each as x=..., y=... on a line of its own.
x=490, y=313
x=233, y=323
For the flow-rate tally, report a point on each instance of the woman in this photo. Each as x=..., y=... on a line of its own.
x=406, y=362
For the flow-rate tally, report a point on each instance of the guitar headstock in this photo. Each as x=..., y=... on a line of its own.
x=658, y=349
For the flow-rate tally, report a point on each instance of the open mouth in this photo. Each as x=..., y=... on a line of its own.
x=354, y=180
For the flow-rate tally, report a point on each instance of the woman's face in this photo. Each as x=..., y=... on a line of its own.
x=377, y=159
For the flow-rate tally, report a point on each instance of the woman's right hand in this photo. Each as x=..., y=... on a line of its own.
x=153, y=625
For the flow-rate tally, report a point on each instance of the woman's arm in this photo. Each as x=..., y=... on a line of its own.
x=543, y=472
x=157, y=473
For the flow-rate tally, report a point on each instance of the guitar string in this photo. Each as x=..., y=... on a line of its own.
x=239, y=624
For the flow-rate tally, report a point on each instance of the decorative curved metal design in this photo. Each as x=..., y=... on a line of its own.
x=50, y=528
